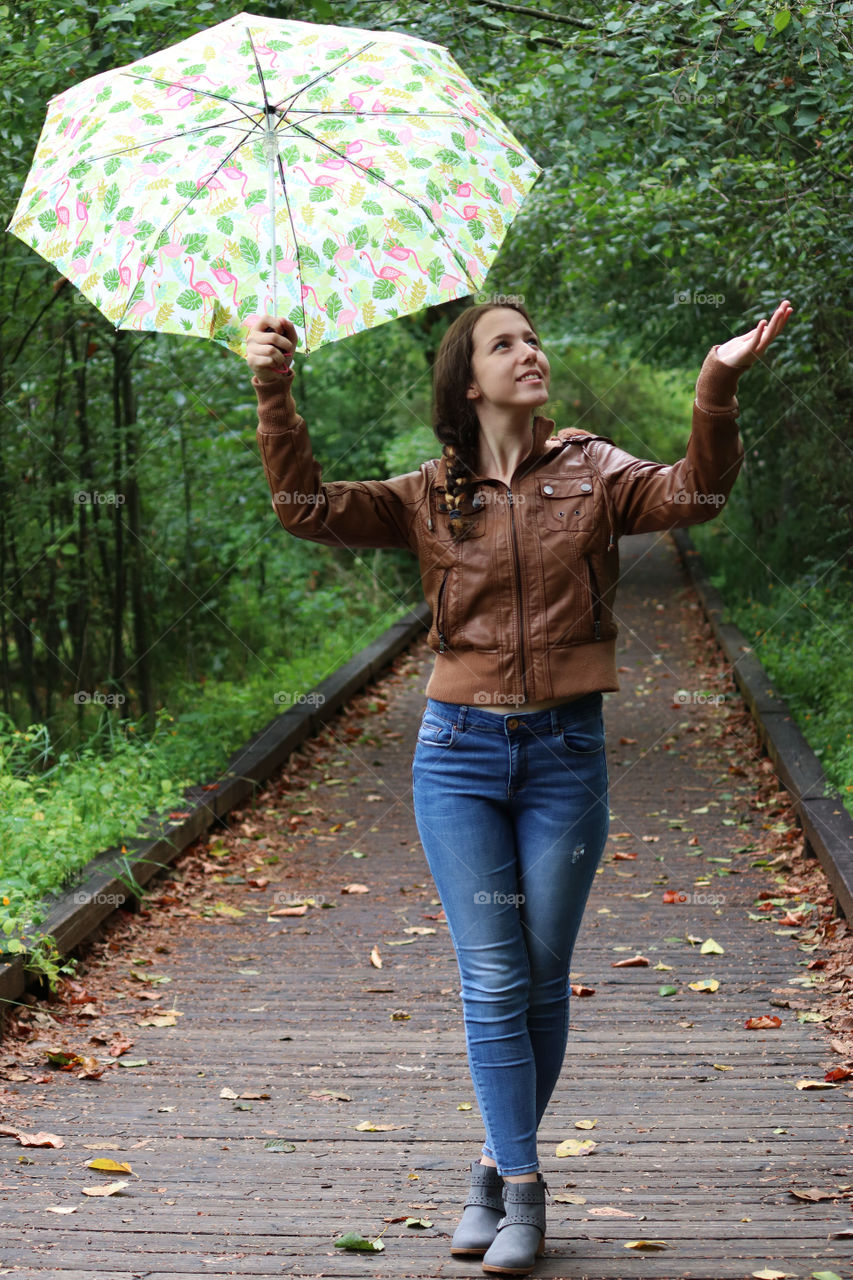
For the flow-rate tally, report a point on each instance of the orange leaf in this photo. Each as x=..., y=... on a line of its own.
x=763, y=1023
x=631, y=962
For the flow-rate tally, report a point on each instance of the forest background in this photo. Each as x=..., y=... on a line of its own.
x=696, y=170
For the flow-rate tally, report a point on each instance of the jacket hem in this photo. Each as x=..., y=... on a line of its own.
x=468, y=676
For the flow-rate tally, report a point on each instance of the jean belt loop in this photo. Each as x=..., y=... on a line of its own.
x=555, y=721
x=461, y=713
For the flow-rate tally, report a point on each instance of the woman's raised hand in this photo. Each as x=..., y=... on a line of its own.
x=269, y=349
x=743, y=351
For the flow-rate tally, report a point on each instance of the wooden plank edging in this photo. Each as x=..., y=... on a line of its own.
x=106, y=882
x=827, y=824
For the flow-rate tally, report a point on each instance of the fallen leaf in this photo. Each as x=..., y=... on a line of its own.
x=585, y=1124
x=61, y=1208
x=630, y=962
x=279, y=1144
x=367, y=1126
x=815, y=1084
x=159, y=1020
x=646, y=1244
x=109, y=1166
x=375, y=958
x=355, y=888
x=418, y=929
x=566, y=1197
x=582, y=991
x=289, y=911
x=710, y=947
x=418, y=1222
x=608, y=1211
x=814, y=1194
x=764, y=1022
x=39, y=1139
x=352, y=1240
x=575, y=1147
x=704, y=984
x=105, y=1189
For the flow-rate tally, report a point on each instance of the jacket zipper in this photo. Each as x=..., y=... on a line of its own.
x=443, y=646
x=596, y=600
x=511, y=503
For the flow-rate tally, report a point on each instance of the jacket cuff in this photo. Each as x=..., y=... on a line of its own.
x=716, y=385
x=276, y=406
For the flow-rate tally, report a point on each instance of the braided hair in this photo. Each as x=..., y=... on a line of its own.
x=454, y=418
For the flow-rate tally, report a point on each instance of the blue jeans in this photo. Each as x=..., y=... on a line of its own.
x=512, y=813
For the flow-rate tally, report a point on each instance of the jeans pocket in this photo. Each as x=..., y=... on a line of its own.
x=585, y=738
x=435, y=732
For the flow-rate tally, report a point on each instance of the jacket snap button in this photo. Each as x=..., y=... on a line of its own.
x=512, y=724
x=586, y=488
x=547, y=488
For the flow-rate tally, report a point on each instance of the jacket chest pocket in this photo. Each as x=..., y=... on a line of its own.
x=566, y=503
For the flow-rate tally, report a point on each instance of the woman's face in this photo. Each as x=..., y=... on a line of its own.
x=508, y=367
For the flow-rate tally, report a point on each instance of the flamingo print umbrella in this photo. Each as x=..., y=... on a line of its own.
x=338, y=176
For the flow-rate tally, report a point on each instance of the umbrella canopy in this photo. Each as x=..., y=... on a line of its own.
x=338, y=176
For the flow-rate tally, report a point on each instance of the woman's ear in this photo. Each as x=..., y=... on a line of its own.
x=473, y=392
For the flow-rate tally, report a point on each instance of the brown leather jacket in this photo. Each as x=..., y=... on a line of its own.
x=522, y=607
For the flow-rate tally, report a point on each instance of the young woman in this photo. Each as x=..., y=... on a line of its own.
x=515, y=529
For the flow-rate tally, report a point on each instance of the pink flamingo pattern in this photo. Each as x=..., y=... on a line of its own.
x=399, y=184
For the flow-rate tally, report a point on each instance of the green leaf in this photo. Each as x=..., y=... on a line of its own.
x=248, y=305
x=111, y=199
x=781, y=19
x=352, y=1240
x=112, y=280
x=358, y=236
x=249, y=251
x=759, y=41
x=186, y=189
x=371, y=207
x=279, y=1144
x=777, y=108
x=667, y=991
x=189, y=300
x=334, y=306
x=383, y=289
x=410, y=220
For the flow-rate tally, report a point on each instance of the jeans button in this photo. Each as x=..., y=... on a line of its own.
x=512, y=724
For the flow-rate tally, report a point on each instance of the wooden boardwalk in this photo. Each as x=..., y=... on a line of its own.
x=701, y=1133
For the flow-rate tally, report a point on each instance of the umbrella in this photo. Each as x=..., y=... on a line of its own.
x=339, y=176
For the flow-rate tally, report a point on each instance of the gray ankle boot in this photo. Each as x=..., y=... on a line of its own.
x=520, y=1235
x=483, y=1210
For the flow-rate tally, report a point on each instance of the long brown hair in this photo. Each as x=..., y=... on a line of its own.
x=454, y=418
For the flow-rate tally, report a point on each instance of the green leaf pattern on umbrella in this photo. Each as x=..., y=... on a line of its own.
x=149, y=187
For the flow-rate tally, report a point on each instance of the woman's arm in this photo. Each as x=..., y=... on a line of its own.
x=650, y=497
x=369, y=513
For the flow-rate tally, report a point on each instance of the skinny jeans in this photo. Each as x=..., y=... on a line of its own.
x=512, y=813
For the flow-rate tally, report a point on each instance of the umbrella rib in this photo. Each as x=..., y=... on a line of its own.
x=405, y=195
x=246, y=108
x=163, y=230
x=137, y=146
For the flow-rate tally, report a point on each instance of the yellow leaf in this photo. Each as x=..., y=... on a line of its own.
x=367, y=1126
x=225, y=909
x=816, y=1084
x=464, y=1106
x=710, y=947
x=585, y=1124
x=704, y=984
x=645, y=1244
x=158, y=1020
x=575, y=1147
x=109, y=1166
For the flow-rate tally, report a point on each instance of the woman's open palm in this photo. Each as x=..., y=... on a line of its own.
x=743, y=351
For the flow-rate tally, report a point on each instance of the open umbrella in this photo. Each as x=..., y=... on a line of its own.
x=339, y=176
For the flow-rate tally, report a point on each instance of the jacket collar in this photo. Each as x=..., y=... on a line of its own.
x=543, y=428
